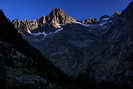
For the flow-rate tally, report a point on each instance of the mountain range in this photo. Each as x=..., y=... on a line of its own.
x=54, y=20
x=59, y=52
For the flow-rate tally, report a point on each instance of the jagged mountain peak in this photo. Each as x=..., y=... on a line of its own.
x=57, y=11
x=55, y=19
x=58, y=16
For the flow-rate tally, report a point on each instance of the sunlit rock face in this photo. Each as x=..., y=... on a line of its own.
x=55, y=19
x=25, y=26
x=59, y=16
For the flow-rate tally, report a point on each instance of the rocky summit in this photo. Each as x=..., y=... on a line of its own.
x=59, y=52
x=58, y=16
x=53, y=20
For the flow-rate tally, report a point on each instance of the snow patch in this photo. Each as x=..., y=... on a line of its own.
x=58, y=30
x=28, y=31
x=77, y=22
x=38, y=36
x=105, y=19
x=39, y=33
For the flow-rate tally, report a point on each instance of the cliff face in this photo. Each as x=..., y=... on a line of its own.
x=59, y=16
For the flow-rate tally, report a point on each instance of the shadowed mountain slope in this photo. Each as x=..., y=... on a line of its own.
x=101, y=53
x=15, y=49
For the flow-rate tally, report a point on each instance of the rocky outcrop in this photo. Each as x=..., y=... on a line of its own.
x=58, y=16
x=25, y=26
x=89, y=21
x=54, y=20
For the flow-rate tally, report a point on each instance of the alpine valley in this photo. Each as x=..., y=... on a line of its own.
x=58, y=51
